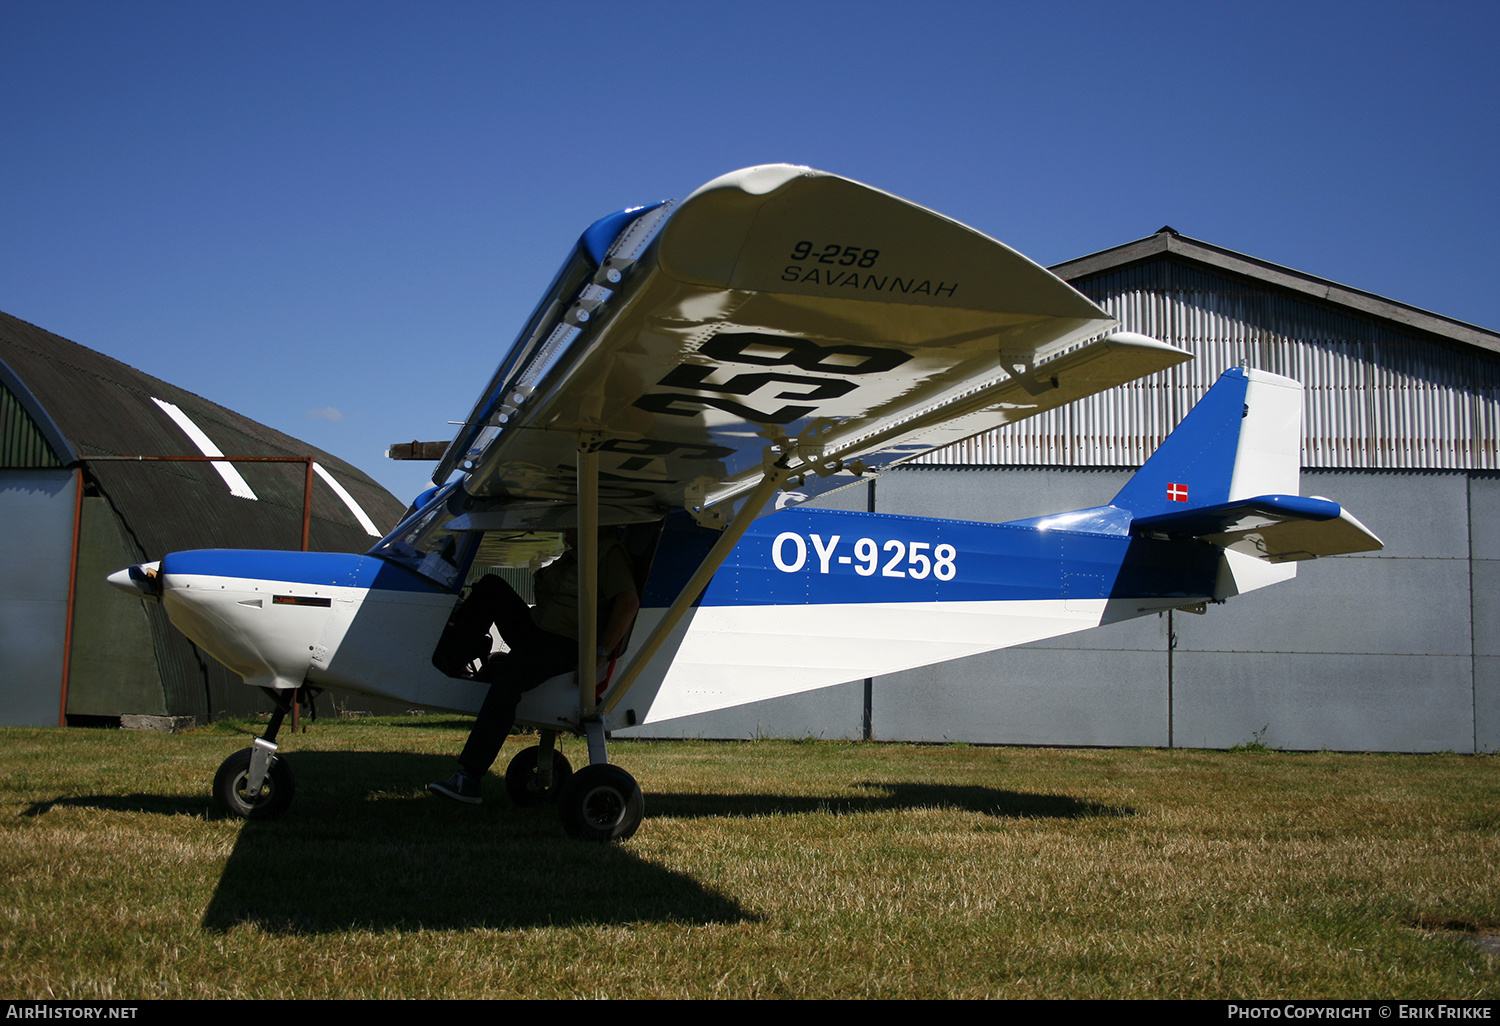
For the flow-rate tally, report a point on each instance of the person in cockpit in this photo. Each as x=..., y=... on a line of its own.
x=542, y=642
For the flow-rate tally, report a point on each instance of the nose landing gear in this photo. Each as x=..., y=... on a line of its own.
x=254, y=782
x=234, y=793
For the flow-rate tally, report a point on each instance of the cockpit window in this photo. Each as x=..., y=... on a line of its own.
x=423, y=543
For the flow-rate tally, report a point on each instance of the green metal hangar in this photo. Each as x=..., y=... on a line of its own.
x=73, y=649
x=1397, y=650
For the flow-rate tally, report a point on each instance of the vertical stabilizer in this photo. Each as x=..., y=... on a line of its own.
x=1269, y=458
x=1244, y=438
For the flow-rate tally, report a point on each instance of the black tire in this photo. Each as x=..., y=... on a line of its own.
x=602, y=803
x=521, y=782
x=275, y=794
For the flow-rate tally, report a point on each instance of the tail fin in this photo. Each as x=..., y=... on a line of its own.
x=1242, y=440
x=1230, y=474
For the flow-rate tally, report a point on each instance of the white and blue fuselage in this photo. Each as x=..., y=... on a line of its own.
x=808, y=598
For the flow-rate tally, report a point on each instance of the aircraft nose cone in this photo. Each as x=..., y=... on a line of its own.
x=142, y=580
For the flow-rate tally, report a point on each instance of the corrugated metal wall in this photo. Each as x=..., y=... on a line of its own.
x=22, y=443
x=1377, y=397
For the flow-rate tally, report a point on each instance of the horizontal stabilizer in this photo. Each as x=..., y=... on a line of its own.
x=1276, y=528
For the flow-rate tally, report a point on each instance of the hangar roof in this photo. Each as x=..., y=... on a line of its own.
x=82, y=404
x=1386, y=385
x=1168, y=240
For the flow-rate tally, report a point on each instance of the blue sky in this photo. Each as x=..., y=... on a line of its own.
x=333, y=217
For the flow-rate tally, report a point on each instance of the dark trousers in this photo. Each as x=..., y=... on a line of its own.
x=534, y=656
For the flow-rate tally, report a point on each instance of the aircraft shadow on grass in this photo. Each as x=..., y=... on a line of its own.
x=361, y=851
x=882, y=796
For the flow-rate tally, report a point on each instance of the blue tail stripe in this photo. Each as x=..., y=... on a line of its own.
x=814, y=557
x=1195, y=465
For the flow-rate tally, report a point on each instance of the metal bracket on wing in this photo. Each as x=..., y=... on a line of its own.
x=811, y=451
x=695, y=499
x=612, y=271
x=774, y=475
x=1021, y=368
x=795, y=459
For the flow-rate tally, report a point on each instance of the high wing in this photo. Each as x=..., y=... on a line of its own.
x=781, y=324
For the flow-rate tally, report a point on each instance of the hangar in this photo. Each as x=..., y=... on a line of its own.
x=1397, y=650
x=76, y=508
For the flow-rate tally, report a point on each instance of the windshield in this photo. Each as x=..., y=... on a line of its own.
x=424, y=544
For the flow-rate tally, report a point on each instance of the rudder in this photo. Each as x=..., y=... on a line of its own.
x=1242, y=439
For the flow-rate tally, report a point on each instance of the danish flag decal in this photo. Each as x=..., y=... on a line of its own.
x=1177, y=493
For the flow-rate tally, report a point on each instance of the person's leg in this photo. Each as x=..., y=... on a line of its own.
x=533, y=658
x=467, y=636
x=491, y=727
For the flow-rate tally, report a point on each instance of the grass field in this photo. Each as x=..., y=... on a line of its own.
x=763, y=869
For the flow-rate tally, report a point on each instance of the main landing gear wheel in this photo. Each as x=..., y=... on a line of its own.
x=233, y=778
x=521, y=778
x=602, y=803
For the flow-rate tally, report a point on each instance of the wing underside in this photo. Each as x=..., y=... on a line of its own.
x=778, y=315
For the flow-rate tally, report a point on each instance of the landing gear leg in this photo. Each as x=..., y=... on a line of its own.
x=601, y=802
x=539, y=774
x=254, y=783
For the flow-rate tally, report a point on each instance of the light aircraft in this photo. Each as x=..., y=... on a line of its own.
x=694, y=373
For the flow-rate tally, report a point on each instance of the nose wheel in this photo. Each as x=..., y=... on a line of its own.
x=254, y=782
x=232, y=790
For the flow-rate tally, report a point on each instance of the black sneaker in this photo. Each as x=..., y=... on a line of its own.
x=460, y=787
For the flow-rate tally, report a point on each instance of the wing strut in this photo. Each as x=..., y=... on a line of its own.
x=774, y=478
x=588, y=573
